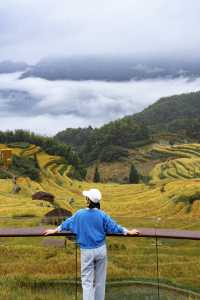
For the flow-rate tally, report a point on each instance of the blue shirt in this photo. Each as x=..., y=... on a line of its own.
x=91, y=227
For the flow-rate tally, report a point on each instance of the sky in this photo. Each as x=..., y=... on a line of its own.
x=33, y=29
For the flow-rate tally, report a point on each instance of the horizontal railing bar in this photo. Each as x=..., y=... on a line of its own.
x=144, y=232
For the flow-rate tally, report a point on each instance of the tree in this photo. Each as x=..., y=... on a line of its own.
x=134, y=176
x=96, y=175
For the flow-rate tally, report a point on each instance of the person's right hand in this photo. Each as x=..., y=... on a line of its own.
x=133, y=232
x=49, y=231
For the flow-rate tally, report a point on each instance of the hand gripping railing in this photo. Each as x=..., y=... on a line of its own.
x=144, y=232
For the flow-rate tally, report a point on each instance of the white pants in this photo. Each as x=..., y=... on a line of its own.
x=93, y=273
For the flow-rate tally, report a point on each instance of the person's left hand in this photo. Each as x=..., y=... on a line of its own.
x=133, y=232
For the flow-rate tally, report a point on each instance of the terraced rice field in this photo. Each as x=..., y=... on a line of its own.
x=184, y=165
x=178, y=177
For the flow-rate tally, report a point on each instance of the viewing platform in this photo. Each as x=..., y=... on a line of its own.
x=157, y=264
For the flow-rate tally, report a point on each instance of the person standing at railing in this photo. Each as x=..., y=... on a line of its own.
x=91, y=225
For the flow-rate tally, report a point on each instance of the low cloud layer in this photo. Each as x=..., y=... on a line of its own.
x=50, y=106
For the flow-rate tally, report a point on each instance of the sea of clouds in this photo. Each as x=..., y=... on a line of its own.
x=47, y=107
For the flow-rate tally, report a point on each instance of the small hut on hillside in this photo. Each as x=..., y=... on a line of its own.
x=5, y=157
x=43, y=196
x=56, y=216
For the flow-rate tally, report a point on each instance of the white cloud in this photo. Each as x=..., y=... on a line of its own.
x=157, y=27
x=52, y=106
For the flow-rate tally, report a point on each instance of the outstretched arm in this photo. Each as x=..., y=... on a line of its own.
x=112, y=227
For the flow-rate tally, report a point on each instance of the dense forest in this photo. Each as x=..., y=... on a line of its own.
x=108, y=143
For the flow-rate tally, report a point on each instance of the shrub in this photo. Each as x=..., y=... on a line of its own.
x=4, y=175
x=134, y=176
x=96, y=175
x=25, y=166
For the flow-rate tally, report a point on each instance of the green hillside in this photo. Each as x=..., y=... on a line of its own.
x=173, y=114
x=171, y=120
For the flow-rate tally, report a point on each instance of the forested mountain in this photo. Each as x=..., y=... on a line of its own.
x=179, y=114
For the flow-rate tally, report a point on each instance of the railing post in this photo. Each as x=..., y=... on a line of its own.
x=157, y=263
x=76, y=284
x=157, y=258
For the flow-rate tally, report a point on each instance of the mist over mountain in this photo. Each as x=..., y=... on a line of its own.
x=49, y=106
x=16, y=102
x=111, y=68
x=8, y=66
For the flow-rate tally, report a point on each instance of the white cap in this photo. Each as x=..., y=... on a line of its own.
x=93, y=194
